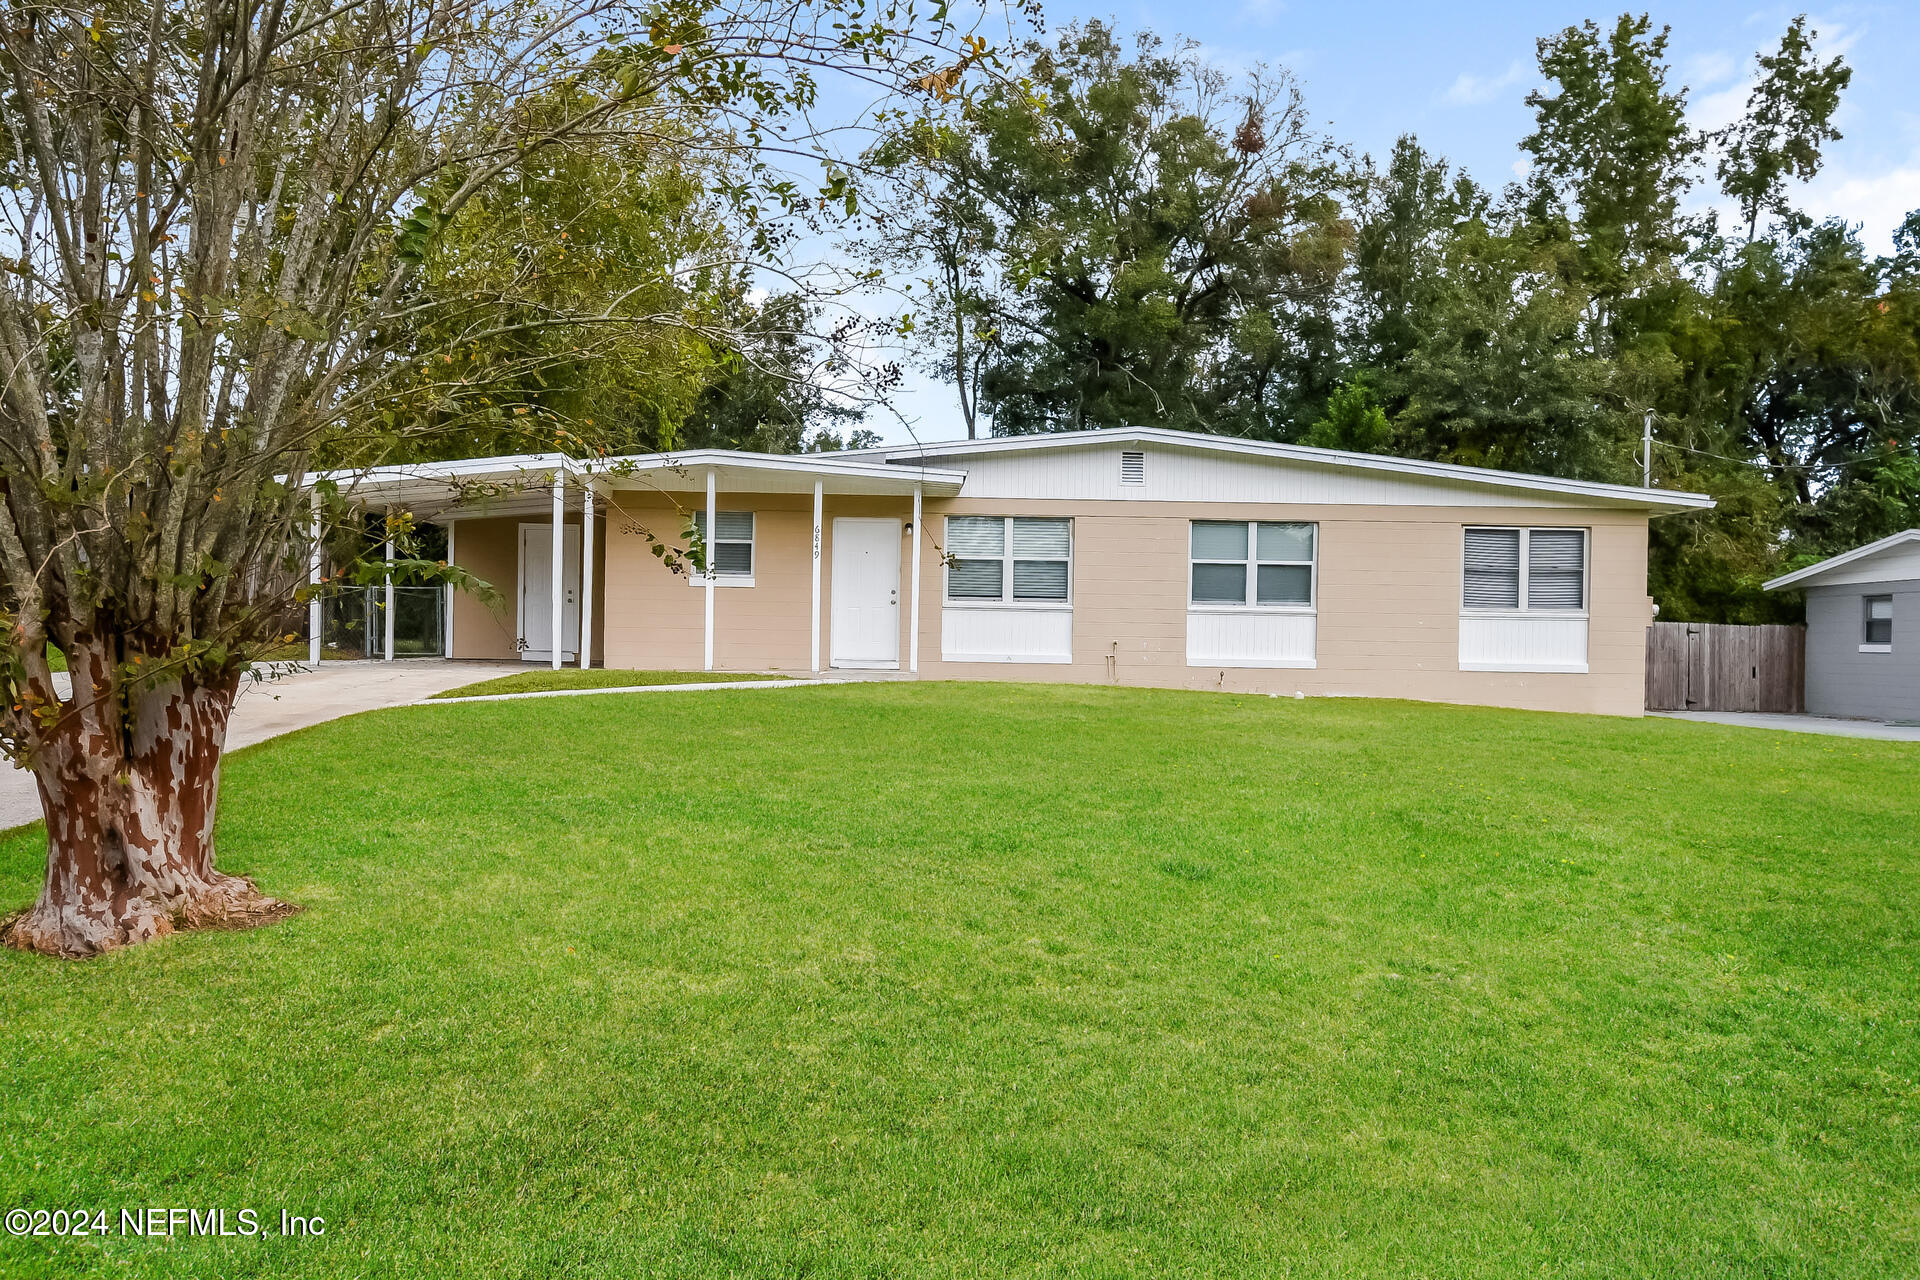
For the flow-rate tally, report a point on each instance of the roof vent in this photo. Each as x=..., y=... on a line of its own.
x=1133, y=467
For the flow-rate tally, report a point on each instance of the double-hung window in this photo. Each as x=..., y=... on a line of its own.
x=1258, y=563
x=1523, y=600
x=1525, y=571
x=1876, y=635
x=729, y=550
x=1009, y=560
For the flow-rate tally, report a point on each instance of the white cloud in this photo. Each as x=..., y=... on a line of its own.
x=1877, y=203
x=1715, y=67
x=1470, y=90
x=1262, y=11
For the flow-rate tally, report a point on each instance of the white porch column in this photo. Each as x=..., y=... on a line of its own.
x=558, y=580
x=314, y=612
x=706, y=554
x=819, y=491
x=388, y=656
x=913, y=625
x=447, y=591
x=586, y=575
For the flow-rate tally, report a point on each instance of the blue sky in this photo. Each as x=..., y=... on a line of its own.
x=1457, y=74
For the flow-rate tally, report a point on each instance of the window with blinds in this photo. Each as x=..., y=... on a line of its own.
x=1535, y=570
x=730, y=549
x=1009, y=559
x=1879, y=621
x=1252, y=562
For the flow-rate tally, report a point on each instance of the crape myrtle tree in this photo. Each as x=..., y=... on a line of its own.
x=215, y=215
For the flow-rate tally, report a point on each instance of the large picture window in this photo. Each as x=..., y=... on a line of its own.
x=1525, y=570
x=1252, y=563
x=1009, y=559
x=730, y=549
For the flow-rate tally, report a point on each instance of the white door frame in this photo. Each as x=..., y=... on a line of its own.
x=536, y=649
x=846, y=600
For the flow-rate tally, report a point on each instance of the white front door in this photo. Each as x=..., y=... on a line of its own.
x=866, y=592
x=536, y=593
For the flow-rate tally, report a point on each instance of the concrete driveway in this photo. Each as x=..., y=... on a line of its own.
x=1829, y=725
x=267, y=709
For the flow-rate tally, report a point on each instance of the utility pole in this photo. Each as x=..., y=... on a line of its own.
x=1646, y=452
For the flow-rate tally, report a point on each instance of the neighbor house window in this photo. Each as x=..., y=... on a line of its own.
x=1009, y=559
x=1531, y=570
x=1252, y=562
x=1878, y=633
x=730, y=549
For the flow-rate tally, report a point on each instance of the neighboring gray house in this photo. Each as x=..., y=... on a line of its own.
x=1863, y=630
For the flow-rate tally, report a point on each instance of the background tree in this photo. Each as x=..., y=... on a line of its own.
x=1164, y=242
x=1789, y=118
x=220, y=214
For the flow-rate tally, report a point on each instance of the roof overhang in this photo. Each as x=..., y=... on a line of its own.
x=516, y=482
x=1659, y=501
x=1808, y=575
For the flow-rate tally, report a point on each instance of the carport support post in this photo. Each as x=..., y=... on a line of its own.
x=913, y=623
x=453, y=528
x=586, y=575
x=819, y=491
x=313, y=580
x=389, y=609
x=706, y=557
x=557, y=578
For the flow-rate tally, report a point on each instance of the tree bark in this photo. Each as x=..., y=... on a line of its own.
x=129, y=802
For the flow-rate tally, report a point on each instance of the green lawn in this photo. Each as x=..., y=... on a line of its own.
x=976, y=981
x=543, y=678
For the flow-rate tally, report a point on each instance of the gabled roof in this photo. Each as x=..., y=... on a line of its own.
x=1806, y=576
x=1661, y=500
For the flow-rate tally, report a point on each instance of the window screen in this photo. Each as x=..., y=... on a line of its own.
x=1009, y=558
x=1556, y=569
x=730, y=550
x=1252, y=562
x=1540, y=570
x=1492, y=569
x=1879, y=621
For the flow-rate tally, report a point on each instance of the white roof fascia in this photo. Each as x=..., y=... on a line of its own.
x=365, y=478
x=1800, y=576
x=1633, y=495
x=796, y=463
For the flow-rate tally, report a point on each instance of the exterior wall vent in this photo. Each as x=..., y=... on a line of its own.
x=1133, y=467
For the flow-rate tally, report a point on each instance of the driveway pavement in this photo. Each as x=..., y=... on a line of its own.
x=1829, y=725
x=267, y=709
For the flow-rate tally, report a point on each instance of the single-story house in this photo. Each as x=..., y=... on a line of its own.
x=1863, y=630
x=1132, y=556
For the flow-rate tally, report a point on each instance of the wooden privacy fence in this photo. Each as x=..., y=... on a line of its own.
x=1711, y=666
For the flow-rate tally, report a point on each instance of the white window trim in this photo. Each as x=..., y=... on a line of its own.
x=695, y=578
x=1006, y=600
x=1252, y=565
x=1524, y=610
x=1867, y=620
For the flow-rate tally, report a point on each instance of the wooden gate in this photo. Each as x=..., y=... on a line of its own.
x=1711, y=666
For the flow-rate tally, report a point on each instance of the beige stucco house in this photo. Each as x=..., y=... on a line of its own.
x=1124, y=556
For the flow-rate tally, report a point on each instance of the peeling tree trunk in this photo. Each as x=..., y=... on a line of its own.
x=129, y=804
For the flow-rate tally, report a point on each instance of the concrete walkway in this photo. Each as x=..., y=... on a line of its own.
x=269, y=708
x=1828, y=725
